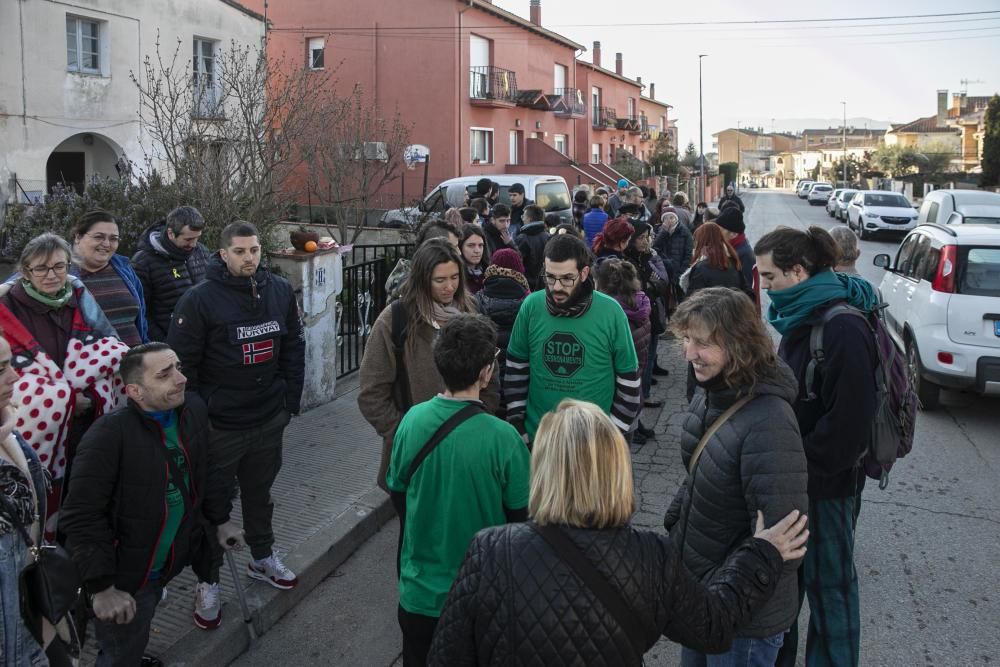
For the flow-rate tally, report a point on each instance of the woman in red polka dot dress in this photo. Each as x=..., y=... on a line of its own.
x=66, y=354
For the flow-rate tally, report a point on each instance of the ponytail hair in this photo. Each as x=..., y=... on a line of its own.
x=814, y=249
x=618, y=278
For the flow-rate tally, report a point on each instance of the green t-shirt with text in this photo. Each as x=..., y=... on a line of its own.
x=571, y=357
x=462, y=487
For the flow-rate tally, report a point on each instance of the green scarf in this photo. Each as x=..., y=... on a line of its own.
x=55, y=302
x=793, y=306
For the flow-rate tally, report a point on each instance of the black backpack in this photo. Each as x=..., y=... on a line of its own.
x=896, y=402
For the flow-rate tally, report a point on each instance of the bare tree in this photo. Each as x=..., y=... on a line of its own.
x=227, y=126
x=352, y=159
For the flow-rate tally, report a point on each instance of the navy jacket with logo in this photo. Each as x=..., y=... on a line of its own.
x=241, y=345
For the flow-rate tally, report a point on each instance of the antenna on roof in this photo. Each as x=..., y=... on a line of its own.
x=965, y=84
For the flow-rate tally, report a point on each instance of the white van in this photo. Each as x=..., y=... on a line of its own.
x=549, y=192
x=950, y=207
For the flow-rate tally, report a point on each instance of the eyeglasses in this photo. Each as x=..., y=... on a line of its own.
x=42, y=271
x=565, y=281
x=101, y=238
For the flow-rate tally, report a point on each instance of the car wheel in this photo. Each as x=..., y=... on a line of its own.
x=862, y=234
x=928, y=393
x=829, y=212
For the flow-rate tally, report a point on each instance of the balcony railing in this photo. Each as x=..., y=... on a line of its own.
x=629, y=123
x=492, y=86
x=573, y=99
x=604, y=118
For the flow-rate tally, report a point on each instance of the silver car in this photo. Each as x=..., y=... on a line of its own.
x=831, y=203
x=842, y=200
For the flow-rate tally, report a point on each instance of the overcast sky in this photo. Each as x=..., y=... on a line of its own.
x=885, y=70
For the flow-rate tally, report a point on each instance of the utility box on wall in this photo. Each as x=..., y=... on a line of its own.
x=317, y=279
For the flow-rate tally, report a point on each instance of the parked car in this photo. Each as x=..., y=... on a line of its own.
x=819, y=193
x=831, y=202
x=549, y=192
x=943, y=296
x=873, y=211
x=843, y=199
x=802, y=189
x=949, y=207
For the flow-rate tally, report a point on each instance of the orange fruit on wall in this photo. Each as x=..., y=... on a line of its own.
x=310, y=246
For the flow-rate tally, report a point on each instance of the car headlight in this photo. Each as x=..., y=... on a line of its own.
x=869, y=214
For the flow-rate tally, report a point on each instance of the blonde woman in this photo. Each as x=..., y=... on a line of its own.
x=519, y=600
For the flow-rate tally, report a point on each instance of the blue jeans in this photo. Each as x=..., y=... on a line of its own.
x=647, y=372
x=18, y=647
x=745, y=652
x=124, y=645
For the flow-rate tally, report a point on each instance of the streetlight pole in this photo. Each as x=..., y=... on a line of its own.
x=701, y=133
x=845, y=142
x=739, y=155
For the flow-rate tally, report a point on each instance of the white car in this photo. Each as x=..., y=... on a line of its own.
x=819, y=193
x=842, y=200
x=873, y=211
x=831, y=203
x=803, y=189
x=943, y=296
x=949, y=207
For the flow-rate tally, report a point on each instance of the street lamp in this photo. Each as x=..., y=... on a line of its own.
x=845, y=142
x=701, y=133
x=739, y=155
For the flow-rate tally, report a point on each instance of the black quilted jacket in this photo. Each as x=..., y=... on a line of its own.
x=166, y=273
x=754, y=462
x=516, y=602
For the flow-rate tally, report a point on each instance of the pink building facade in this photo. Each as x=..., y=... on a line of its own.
x=486, y=90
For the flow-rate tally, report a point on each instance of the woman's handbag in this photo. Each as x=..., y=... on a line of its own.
x=49, y=586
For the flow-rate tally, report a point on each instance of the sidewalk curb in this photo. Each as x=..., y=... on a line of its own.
x=313, y=561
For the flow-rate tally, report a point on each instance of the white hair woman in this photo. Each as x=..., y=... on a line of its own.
x=532, y=593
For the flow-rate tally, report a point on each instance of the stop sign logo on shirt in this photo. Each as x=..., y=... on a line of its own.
x=563, y=354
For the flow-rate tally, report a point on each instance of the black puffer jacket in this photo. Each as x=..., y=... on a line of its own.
x=754, y=462
x=531, y=244
x=705, y=275
x=674, y=249
x=166, y=273
x=515, y=601
x=115, y=509
x=500, y=300
x=241, y=344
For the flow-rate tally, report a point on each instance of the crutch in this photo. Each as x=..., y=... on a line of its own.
x=243, y=600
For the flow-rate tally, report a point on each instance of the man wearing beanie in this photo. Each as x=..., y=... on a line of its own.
x=731, y=221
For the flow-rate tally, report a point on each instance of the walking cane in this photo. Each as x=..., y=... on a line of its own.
x=243, y=600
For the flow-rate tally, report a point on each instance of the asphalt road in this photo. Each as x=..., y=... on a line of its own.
x=927, y=546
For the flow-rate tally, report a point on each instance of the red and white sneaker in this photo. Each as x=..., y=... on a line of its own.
x=207, y=606
x=273, y=571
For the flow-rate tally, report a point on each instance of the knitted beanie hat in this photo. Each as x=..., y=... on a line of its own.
x=731, y=219
x=508, y=258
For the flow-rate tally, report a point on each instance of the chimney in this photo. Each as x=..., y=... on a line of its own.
x=942, y=107
x=597, y=54
x=618, y=64
x=535, y=8
x=652, y=91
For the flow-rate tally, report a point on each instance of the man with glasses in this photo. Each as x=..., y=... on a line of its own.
x=570, y=341
x=476, y=476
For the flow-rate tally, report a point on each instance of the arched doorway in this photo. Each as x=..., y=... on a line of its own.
x=80, y=158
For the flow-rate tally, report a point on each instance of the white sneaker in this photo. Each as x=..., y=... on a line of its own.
x=207, y=606
x=273, y=571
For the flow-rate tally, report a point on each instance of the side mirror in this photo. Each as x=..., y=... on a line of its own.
x=883, y=260
x=421, y=206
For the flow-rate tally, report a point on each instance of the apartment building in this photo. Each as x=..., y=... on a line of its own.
x=69, y=107
x=486, y=90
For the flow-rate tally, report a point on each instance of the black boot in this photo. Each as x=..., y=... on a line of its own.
x=657, y=370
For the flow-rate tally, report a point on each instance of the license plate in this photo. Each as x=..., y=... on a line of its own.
x=996, y=327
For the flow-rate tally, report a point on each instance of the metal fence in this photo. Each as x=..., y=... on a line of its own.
x=362, y=299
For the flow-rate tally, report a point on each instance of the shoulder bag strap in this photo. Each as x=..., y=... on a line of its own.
x=470, y=410
x=722, y=419
x=612, y=599
x=399, y=332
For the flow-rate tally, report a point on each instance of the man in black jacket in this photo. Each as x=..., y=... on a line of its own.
x=170, y=261
x=518, y=202
x=531, y=244
x=731, y=196
x=133, y=516
x=835, y=413
x=239, y=337
x=497, y=230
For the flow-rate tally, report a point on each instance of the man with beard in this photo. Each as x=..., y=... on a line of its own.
x=133, y=514
x=240, y=341
x=518, y=202
x=170, y=261
x=731, y=196
x=497, y=230
x=570, y=341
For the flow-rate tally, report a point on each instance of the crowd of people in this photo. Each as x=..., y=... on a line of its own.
x=506, y=378
x=507, y=383
x=135, y=394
